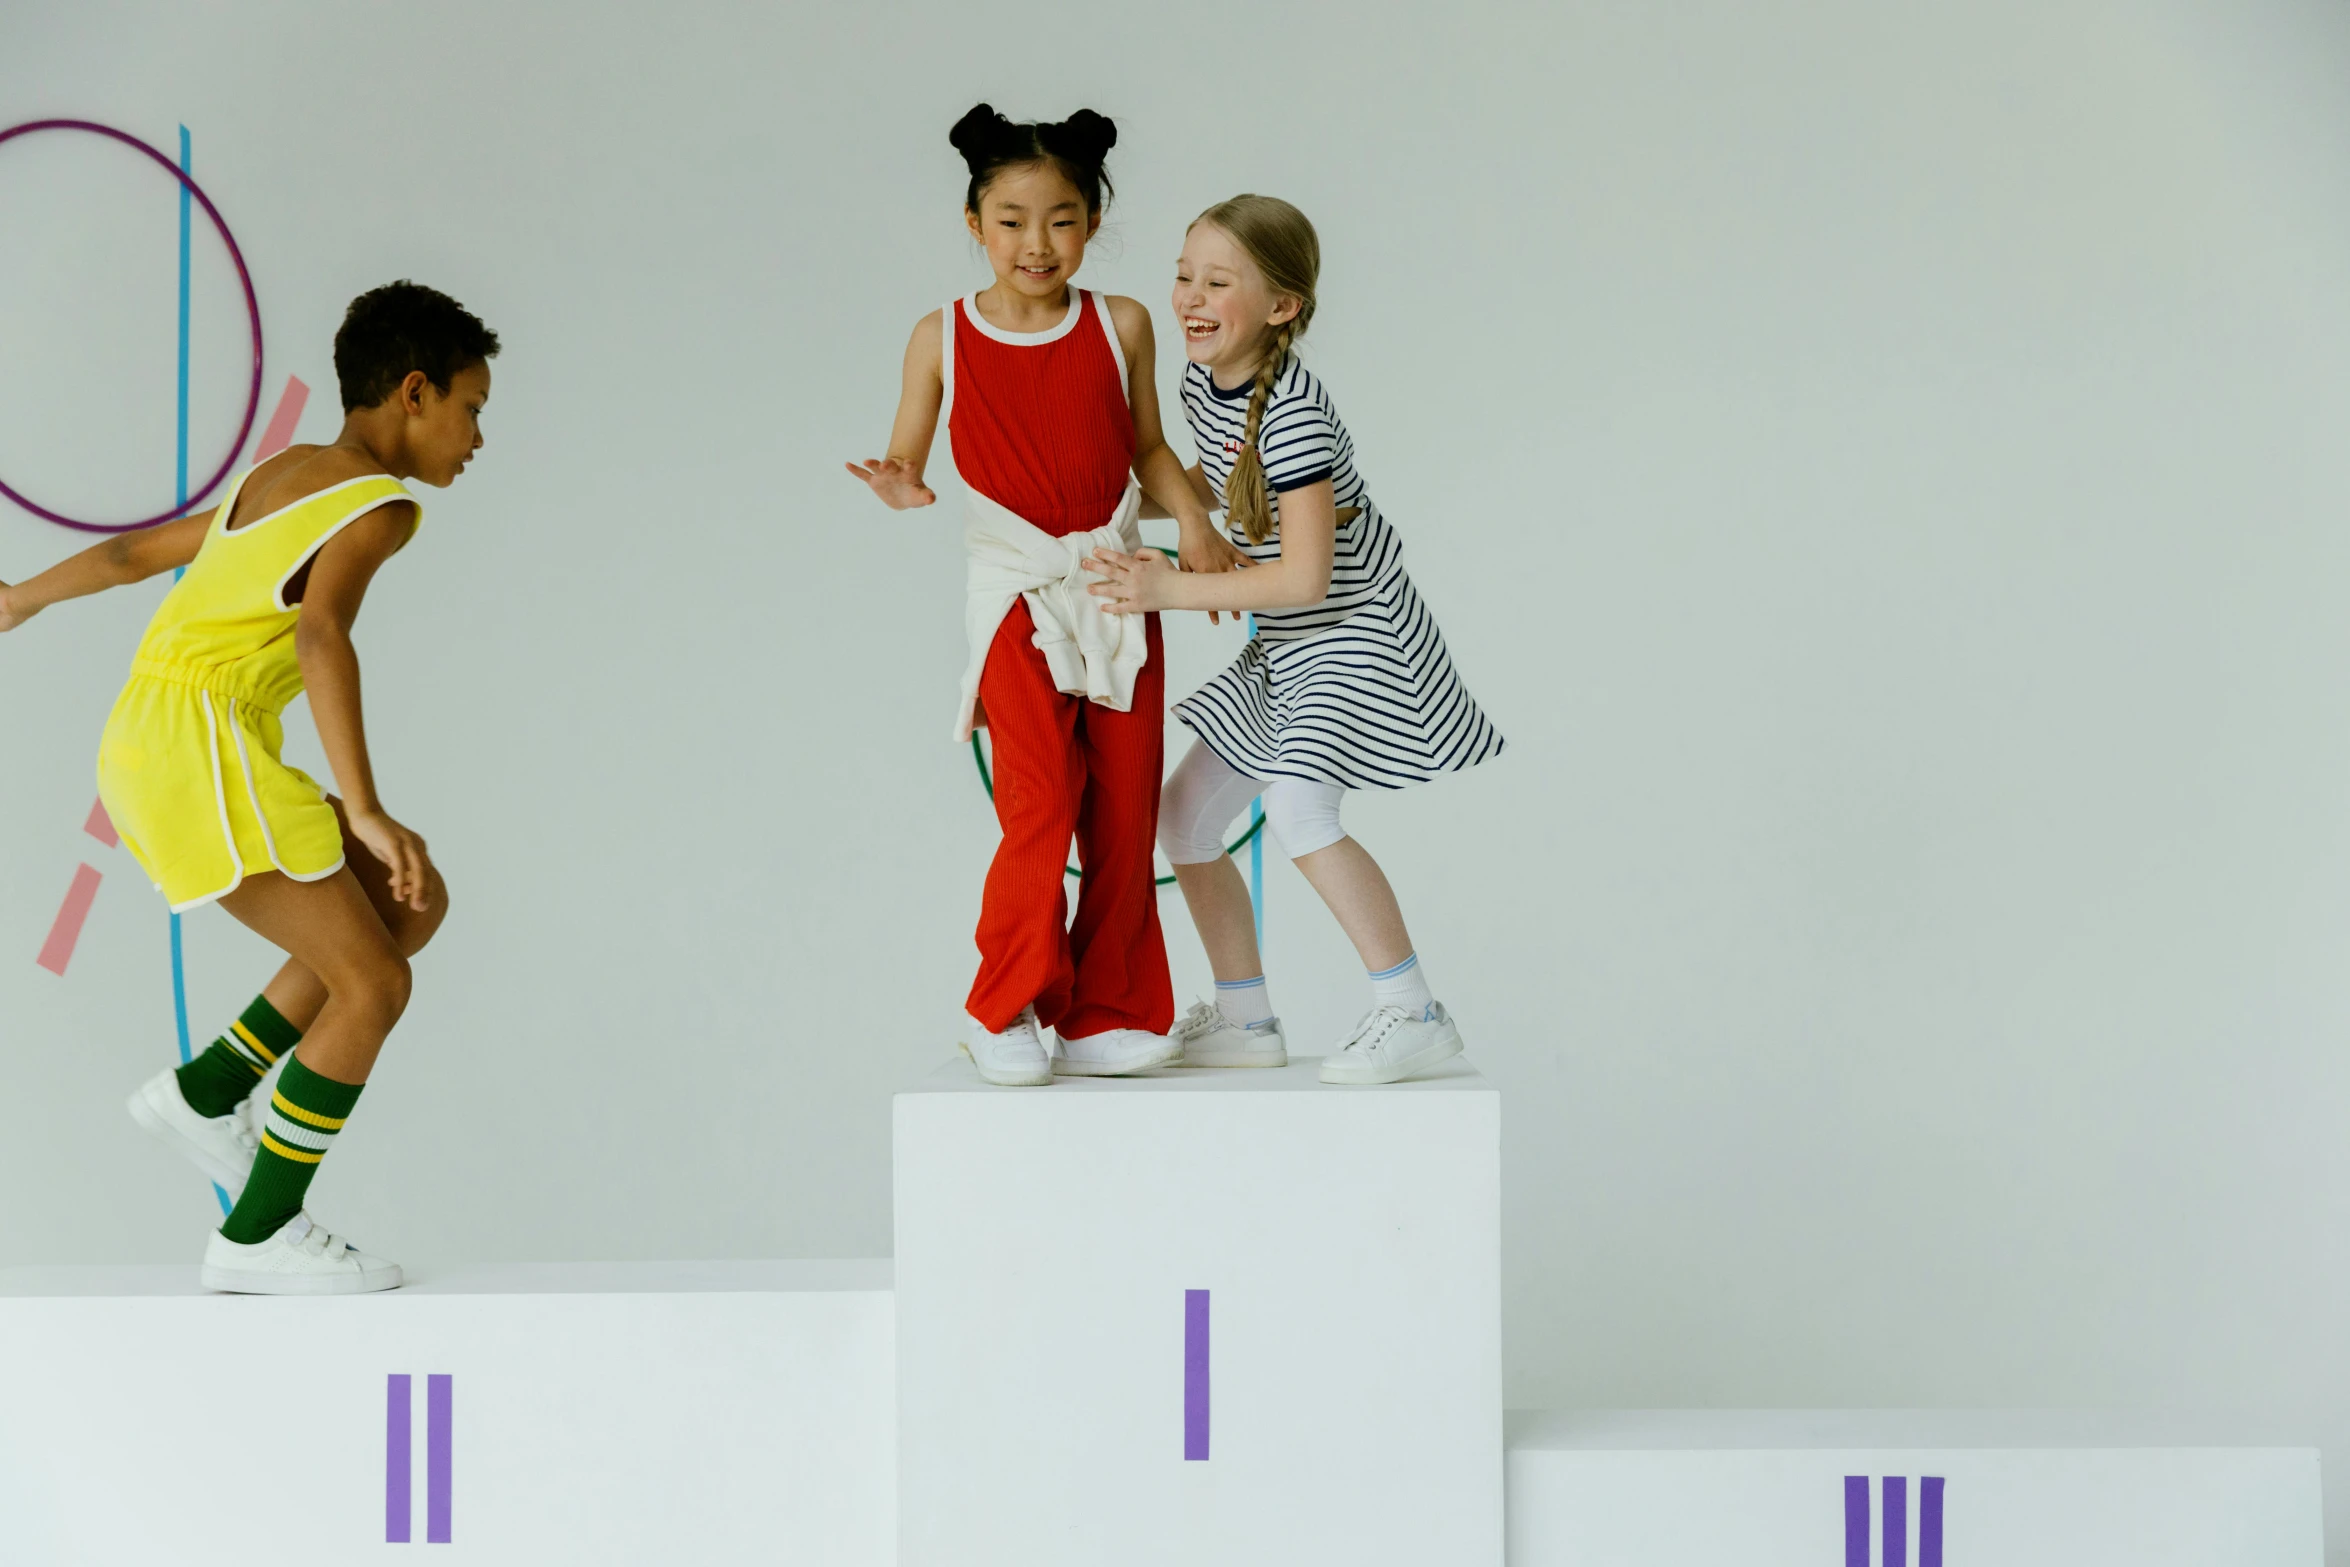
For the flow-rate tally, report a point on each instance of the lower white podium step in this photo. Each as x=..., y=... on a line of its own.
x=1944, y=1488
x=576, y=1413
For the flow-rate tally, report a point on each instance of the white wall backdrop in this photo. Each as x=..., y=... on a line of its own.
x=1883, y=466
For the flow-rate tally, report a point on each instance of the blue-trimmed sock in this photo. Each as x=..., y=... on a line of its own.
x=1244, y=1001
x=1403, y=987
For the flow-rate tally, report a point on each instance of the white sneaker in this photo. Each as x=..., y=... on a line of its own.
x=1390, y=1044
x=1209, y=1038
x=222, y=1146
x=300, y=1259
x=1114, y=1052
x=1014, y=1058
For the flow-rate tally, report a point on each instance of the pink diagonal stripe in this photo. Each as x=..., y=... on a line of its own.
x=58, y=950
x=278, y=434
x=101, y=826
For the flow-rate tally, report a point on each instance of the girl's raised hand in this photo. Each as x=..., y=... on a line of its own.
x=895, y=481
x=1131, y=584
x=10, y=616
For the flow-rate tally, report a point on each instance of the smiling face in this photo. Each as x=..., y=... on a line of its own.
x=1226, y=308
x=1033, y=222
x=442, y=430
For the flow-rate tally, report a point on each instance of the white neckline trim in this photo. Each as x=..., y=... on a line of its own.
x=228, y=532
x=1051, y=334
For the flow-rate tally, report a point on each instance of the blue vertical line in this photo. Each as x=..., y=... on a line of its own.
x=179, y=963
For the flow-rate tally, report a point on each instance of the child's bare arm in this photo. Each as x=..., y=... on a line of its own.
x=897, y=478
x=1310, y=518
x=330, y=672
x=1160, y=471
x=125, y=558
x=1199, y=487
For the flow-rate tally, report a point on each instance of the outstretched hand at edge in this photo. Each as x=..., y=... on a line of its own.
x=895, y=481
x=10, y=616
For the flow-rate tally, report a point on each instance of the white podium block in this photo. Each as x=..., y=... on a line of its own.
x=1227, y=1316
x=1943, y=1488
x=588, y=1413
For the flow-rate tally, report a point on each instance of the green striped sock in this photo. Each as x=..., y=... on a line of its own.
x=304, y=1115
x=217, y=1081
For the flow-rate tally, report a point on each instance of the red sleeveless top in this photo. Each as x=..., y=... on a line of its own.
x=1037, y=421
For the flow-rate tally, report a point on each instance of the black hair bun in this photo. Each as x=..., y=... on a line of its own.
x=979, y=133
x=1088, y=135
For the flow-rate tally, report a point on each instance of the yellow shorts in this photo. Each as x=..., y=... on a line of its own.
x=192, y=779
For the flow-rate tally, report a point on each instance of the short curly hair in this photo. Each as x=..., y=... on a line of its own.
x=400, y=327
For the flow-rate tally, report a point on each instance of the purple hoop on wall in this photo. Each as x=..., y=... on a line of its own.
x=252, y=309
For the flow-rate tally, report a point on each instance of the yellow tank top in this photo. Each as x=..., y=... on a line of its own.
x=226, y=626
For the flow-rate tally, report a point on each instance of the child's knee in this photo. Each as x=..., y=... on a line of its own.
x=377, y=984
x=1304, y=816
x=417, y=927
x=1186, y=834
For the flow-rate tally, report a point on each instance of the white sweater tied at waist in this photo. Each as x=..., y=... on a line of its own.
x=1089, y=652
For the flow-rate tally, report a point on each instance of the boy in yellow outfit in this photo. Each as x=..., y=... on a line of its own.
x=189, y=770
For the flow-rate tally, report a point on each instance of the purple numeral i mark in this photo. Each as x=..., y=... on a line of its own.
x=1195, y=1376
x=399, y=1444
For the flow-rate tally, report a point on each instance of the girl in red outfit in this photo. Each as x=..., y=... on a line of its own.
x=1052, y=418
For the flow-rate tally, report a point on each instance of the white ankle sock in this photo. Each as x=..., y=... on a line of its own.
x=1404, y=987
x=1244, y=1001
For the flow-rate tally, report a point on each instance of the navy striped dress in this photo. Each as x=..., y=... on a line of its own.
x=1358, y=689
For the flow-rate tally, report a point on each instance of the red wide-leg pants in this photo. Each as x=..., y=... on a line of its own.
x=1068, y=767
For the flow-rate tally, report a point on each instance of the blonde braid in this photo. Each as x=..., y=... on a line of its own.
x=1246, y=498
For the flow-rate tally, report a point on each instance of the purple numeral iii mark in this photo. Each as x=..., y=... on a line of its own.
x=1896, y=1530
x=399, y=1449
x=1195, y=1376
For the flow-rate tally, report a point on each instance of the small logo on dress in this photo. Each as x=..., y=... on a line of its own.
x=1233, y=446
x=399, y=1458
x=1895, y=1534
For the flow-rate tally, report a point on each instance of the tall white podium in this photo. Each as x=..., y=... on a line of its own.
x=1208, y=1316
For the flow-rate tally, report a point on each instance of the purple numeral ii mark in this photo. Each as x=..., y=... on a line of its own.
x=1195, y=1376
x=399, y=1448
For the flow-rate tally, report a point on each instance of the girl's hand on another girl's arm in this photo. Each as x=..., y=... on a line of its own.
x=1204, y=548
x=896, y=481
x=1133, y=584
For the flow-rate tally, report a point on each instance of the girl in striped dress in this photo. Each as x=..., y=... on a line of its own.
x=1346, y=684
